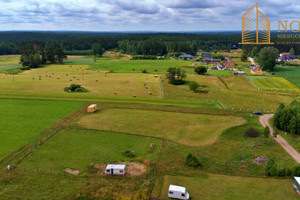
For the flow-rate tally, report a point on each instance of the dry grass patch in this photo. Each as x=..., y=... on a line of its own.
x=188, y=129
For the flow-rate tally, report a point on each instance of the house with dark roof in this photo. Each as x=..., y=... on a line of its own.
x=205, y=56
x=257, y=70
x=212, y=61
x=187, y=56
x=287, y=57
x=229, y=63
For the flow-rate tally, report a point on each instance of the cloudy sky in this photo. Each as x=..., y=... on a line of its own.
x=138, y=15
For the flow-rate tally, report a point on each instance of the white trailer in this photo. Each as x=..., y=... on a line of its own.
x=178, y=192
x=113, y=170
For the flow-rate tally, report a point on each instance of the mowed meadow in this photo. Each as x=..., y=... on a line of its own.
x=142, y=121
x=184, y=128
x=23, y=120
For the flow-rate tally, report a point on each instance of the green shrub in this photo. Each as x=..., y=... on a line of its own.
x=288, y=172
x=266, y=132
x=81, y=89
x=251, y=132
x=271, y=168
x=194, y=86
x=129, y=153
x=281, y=172
x=144, y=71
x=192, y=160
x=75, y=88
x=296, y=170
x=200, y=70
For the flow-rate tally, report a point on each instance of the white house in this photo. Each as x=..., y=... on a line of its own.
x=112, y=169
x=178, y=192
x=221, y=67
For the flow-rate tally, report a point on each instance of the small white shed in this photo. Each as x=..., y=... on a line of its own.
x=92, y=108
x=112, y=169
x=178, y=192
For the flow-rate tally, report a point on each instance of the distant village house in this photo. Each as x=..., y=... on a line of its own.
x=287, y=57
x=186, y=56
x=229, y=63
x=257, y=70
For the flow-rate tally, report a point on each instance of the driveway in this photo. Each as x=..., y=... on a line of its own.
x=264, y=120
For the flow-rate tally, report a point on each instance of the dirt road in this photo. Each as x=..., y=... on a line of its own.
x=264, y=120
x=252, y=61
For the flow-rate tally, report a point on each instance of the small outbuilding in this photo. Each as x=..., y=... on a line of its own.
x=92, y=108
x=178, y=192
x=257, y=70
x=115, y=170
x=238, y=73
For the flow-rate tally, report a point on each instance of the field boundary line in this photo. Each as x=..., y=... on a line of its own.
x=162, y=87
x=252, y=83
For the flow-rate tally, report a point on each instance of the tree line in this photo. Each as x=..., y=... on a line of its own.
x=287, y=118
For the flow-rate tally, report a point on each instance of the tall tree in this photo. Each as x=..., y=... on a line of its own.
x=97, y=50
x=244, y=55
x=267, y=58
x=292, y=51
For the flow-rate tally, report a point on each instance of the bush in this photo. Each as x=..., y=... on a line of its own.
x=281, y=172
x=296, y=171
x=266, y=132
x=129, y=153
x=200, y=70
x=144, y=71
x=194, y=86
x=271, y=168
x=192, y=160
x=81, y=89
x=251, y=132
x=75, y=88
x=288, y=172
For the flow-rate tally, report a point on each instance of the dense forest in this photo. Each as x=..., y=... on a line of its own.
x=81, y=43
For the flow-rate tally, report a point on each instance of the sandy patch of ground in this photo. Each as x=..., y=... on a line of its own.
x=132, y=169
x=71, y=171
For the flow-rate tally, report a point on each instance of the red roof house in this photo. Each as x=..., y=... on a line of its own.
x=229, y=63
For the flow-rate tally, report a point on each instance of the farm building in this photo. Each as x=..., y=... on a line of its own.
x=178, y=192
x=92, y=108
x=257, y=70
x=225, y=55
x=205, y=56
x=221, y=67
x=287, y=57
x=238, y=73
x=115, y=170
x=211, y=61
x=229, y=63
x=186, y=56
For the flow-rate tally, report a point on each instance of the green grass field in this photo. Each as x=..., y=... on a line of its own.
x=290, y=73
x=235, y=92
x=136, y=66
x=78, y=60
x=77, y=149
x=23, y=120
x=10, y=64
x=189, y=129
x=274, y=83
x=211, y=186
